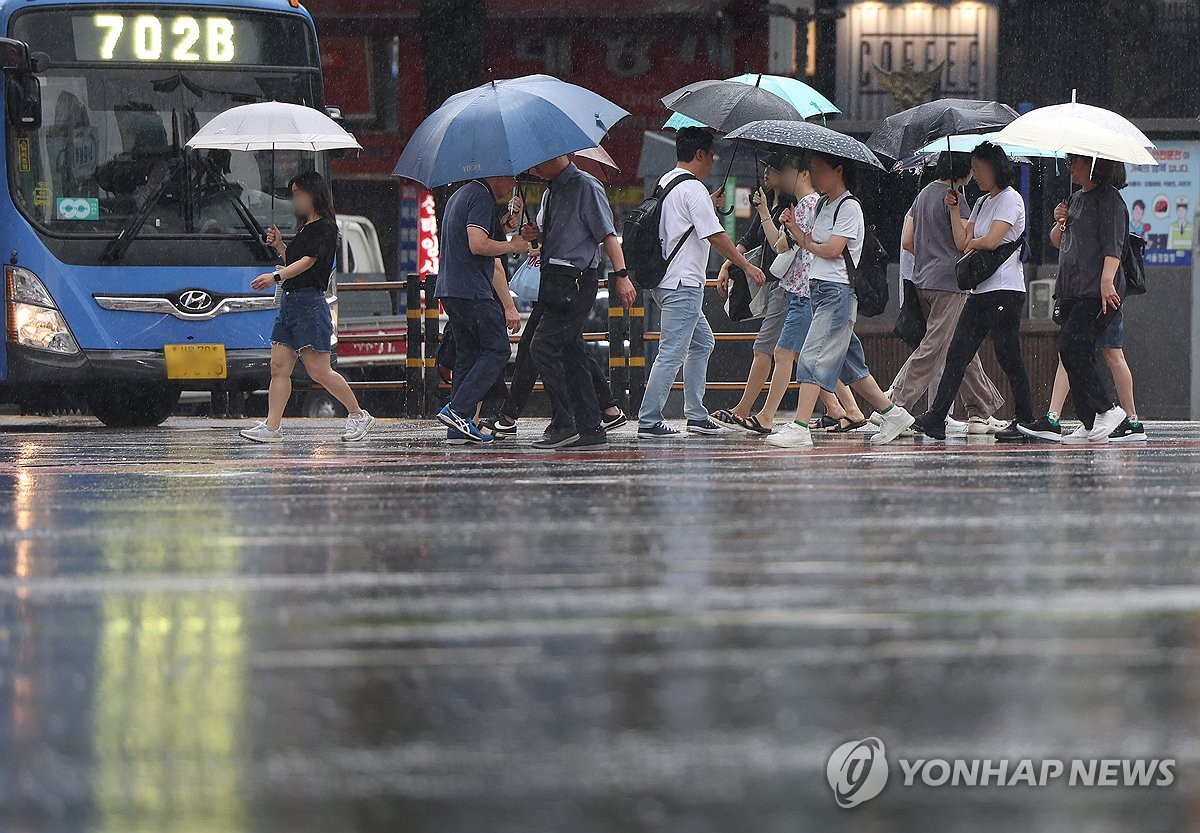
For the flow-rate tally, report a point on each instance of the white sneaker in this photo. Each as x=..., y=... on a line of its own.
x=260, y=433
x=1077, y=437
x=955, y=426
x=895, y=422
x=979, y=425
x=357, y=427
x=791, y=435
x=876, y=418
x=1106, y=423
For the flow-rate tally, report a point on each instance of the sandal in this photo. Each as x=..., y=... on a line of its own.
x=752, y=425
x=824, y=422
x=725, y=417
x=846, y=425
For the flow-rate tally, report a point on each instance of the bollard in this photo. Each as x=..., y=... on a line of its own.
x=433, y=341
x=414, y=362
x=636, y=363
x=618, y=359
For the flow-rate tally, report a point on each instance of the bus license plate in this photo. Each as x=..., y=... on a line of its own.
x=196, y=361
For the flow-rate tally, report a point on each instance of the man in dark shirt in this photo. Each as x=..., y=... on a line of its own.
x=577, y=222
x=473, y=289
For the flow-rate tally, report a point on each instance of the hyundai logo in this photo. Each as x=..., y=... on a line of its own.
x=195, y=300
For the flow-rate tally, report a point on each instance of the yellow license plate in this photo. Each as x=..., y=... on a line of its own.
x=196, y=361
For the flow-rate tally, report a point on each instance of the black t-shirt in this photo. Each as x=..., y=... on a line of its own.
x=317, y=240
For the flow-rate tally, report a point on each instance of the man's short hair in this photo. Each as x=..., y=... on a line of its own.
x=691, y=140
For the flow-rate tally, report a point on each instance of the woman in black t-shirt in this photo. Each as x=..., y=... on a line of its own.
x=304, y=326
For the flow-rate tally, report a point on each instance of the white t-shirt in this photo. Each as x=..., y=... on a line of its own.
x=688, y=206
x=851, y=225
x=1006, y=207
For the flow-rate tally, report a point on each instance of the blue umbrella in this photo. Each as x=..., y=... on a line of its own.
x=807, y=101
x=503, y=128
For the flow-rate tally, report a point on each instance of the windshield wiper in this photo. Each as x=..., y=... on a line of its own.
x=225, y=188
x=158, y=182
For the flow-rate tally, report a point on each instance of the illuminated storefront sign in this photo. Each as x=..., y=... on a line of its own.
x=893, y=55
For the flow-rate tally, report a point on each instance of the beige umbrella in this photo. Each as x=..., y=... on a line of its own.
x=596, y=162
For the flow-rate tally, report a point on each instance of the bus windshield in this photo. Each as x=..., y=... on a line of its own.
x=111, y=151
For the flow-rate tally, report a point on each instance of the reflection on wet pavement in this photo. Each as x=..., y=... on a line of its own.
x=200, y=635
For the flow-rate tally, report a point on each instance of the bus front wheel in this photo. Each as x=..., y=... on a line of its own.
x=119, y=406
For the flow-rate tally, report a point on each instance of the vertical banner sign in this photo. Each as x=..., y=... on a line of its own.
x=428, y=260
x=1162, y=202
x=410, y=208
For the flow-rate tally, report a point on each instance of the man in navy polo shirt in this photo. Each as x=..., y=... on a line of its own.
x=473, y=289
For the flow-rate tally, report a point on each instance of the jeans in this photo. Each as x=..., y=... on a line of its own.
x=997, y=314
x=942, y=311
x=480, y=350
x=686, y=342
x=832, y=351
x=561, y=358
x=525, y=373
x=1082, y=326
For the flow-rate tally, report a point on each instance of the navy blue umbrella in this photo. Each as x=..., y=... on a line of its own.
x=503, y=128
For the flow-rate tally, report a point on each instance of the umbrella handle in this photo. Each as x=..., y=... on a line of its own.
x=528, y=218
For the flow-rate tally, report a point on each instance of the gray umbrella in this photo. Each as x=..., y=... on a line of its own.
x=800, y=135
x=726, y=105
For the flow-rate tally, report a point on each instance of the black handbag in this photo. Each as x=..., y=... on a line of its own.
x=977, y=266
x=560, y=285
x=1133, y=264
x=910, y=322
x=737, y=307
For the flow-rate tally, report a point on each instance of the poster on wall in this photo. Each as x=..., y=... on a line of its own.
x=1162, y=202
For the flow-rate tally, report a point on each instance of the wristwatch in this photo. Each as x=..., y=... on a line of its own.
x=278, y=279
x=620, y=273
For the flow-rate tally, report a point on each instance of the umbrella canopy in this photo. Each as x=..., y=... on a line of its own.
x=1098, y=116
x=802, y=135
x=1078, y=137
x=908, y=131
x=596, y=162
x=807, y=101
x=503, y=128
x=968, y=142
x=727, y=105
x=272, y=125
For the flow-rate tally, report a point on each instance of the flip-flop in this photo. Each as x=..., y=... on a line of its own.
x=725, y=417
x=845, y=426
x=824, y=423
x=752, y=425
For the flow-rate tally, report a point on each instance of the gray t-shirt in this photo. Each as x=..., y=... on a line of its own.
x=578, y=218
x=933, y=239
x=1097, y=227
x=463, y=273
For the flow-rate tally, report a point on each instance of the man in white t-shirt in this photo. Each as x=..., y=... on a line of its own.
x=688, y=228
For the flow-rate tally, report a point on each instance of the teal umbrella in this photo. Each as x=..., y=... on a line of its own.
x=807, y=101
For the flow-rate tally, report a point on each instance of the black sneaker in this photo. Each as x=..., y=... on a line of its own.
x=1011, y=433
x=501, y=427
x=1044, y=429
x=1128, y=432
x=588, y=442
x=608, y=423
x=556, y=438
x=930, y=427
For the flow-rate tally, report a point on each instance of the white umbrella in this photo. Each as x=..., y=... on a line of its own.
x=1076, y=136
x=272, y=125
x=1098, y=116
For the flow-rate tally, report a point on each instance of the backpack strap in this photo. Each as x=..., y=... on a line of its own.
x=851, y=269
x=662, y=197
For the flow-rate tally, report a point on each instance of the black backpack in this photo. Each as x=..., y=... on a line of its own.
x=640, y=240
x=869, y=278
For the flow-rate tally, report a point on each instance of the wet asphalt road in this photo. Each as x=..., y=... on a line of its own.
x=201, y=635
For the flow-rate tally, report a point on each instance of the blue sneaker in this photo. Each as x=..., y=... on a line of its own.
x=456, y=438
x=704, y=426
x=463, y=426
x=661, y=431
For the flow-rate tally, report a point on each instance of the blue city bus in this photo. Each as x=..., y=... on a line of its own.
x=127, y=256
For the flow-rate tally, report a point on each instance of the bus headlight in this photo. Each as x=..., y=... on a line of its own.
x=33, y=318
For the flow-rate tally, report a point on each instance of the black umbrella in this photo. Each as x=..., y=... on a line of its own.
x=903, y=134
x=788, y=136
x=726, y=105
